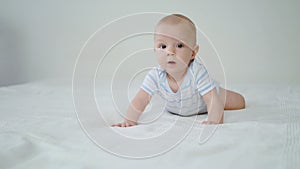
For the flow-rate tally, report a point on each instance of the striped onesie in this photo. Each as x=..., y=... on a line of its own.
x=188, y=99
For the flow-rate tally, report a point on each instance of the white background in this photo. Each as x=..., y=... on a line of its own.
x=257, y=40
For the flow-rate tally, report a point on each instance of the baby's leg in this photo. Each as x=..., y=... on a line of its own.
x=233, y=101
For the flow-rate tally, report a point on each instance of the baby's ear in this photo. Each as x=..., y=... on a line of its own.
x=195, y=50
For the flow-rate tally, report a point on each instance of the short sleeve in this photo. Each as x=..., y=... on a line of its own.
x=150, y=83
x=204, y=83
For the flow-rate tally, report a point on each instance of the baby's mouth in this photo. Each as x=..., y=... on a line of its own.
x=171, y=62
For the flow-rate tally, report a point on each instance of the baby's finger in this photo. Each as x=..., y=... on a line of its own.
x=115, y=125
x=209, y=122
x=204, y=122
x=123, y=125
x=128, y=124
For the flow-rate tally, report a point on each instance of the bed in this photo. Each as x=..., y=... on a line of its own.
x=40, y=129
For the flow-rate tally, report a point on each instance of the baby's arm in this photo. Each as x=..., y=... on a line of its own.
x=216, y=103
x=215, y=107
x=135, y=109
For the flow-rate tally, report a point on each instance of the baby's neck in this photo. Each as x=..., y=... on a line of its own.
x=177, y=77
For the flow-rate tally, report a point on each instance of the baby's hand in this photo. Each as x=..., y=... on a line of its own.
x=126, y=123
x=211, y=122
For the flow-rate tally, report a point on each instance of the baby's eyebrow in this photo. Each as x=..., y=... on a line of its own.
x=160, y=40
x=165, y=41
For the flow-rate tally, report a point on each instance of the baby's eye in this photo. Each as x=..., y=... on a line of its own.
x=162, y=46
x=180, y=45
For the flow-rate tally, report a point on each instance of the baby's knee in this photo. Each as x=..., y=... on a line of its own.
x=242, y=101
x=234, y=100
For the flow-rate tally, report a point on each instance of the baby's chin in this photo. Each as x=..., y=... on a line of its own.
x=175, y=70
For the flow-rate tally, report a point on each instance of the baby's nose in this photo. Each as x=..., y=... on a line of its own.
x=171, y=51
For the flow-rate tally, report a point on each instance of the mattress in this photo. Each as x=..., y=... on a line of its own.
x=41, y=127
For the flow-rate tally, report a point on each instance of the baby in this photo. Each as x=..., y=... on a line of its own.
x=181, y=79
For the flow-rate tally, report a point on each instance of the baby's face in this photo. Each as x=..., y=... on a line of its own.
x=175, y=47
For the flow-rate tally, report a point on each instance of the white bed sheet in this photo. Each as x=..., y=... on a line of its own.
x=39, y=129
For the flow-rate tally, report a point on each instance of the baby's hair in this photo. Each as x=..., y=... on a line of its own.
x=180, y=16
x=177, y=18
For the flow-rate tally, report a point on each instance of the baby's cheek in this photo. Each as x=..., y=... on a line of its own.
x=181, y=62
x=160, y=60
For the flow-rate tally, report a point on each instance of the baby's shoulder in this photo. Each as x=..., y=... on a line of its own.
x=196, y=67
x=156, y=71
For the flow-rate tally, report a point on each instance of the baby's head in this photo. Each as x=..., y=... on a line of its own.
x=175, y=42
